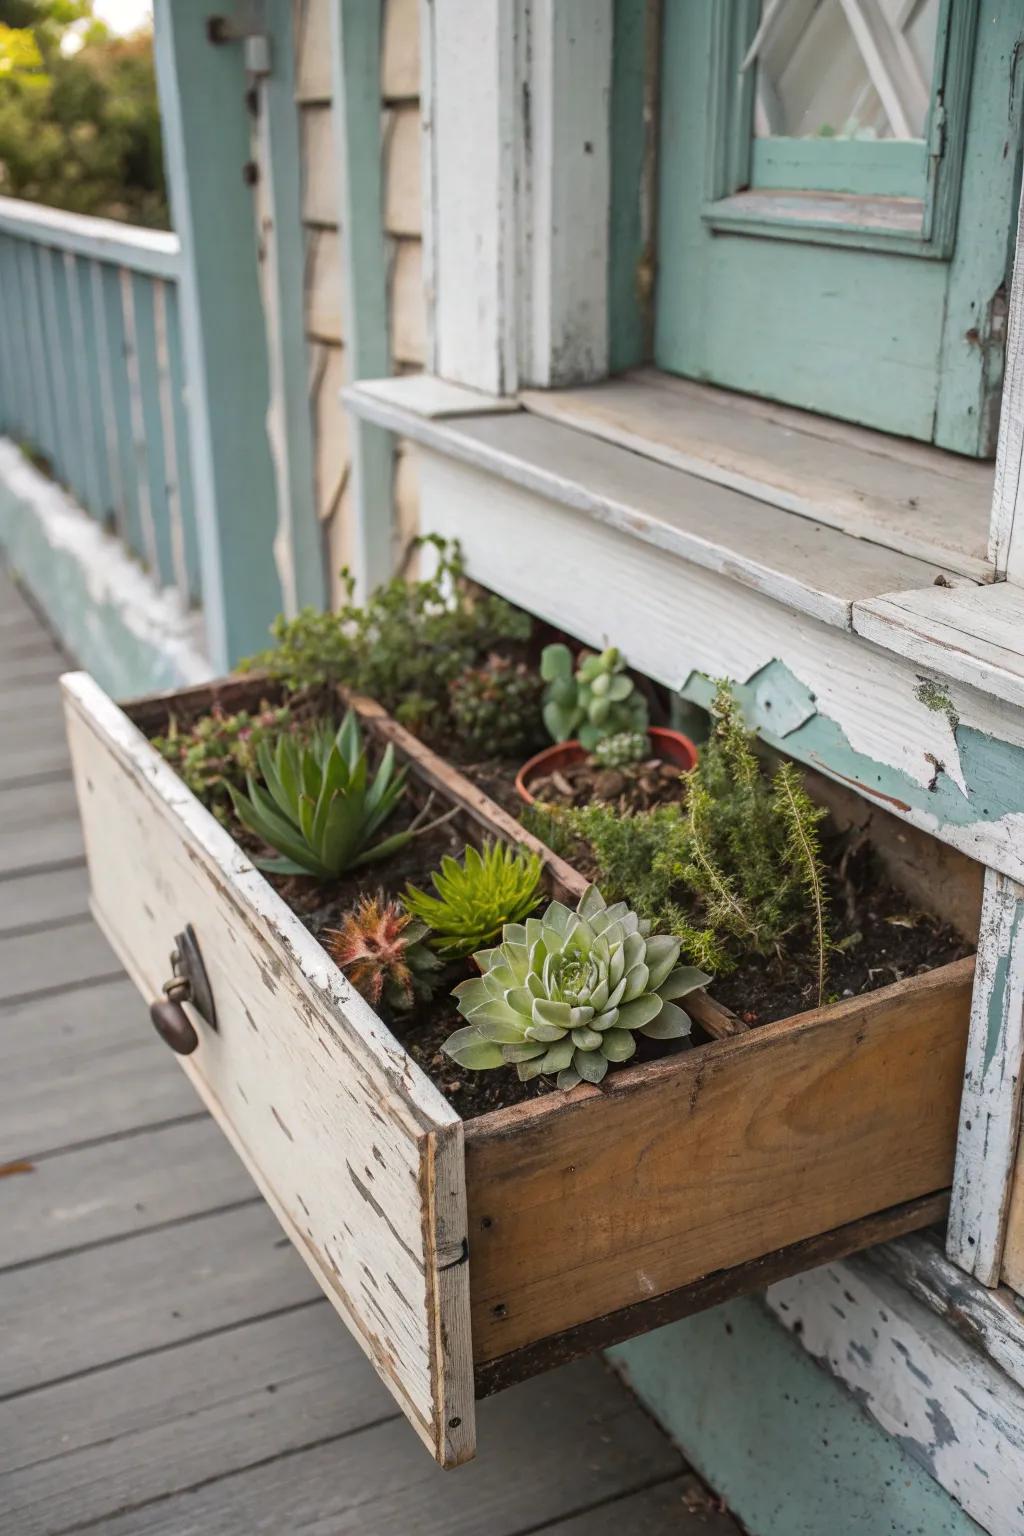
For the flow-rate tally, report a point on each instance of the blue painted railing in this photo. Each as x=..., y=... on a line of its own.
x=92, y=379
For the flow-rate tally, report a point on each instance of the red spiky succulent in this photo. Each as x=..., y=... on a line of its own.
x=380, y=948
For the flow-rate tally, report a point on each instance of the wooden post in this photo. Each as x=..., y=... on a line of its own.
x=991, y=1103
x=206, y=145
x=299, y=545
x=1006, y=530
x=355, y=84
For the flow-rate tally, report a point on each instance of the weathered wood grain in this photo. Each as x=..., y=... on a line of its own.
x=31, y=748
x=715, y=1157
x=78, y=1066
x=87, y=1448
x=337, y=1125
x=682, y=1507
x=33, y=900
x=974, y=634
x=909, y=498
x=38, y=824
x=986, y=1320
x=166, y=1286
x=1006, y=538
x=990, y=1108
x=369, y=1484
x=1013, y=1246
x=710, y=1291
x=952, y=1410
x=54, y=959
x=91, y=1195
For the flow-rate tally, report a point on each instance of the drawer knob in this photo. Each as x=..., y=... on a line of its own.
x=171, y=1023
x=189, y=983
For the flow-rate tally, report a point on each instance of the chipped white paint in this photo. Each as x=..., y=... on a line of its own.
x=973, y=634
x=990, y=1109
x=987, y=1319
x=356, y=1151
x=674, y=618
x=516, y=181
x=108, y=611
x=1006, y=538
x=953, y=1410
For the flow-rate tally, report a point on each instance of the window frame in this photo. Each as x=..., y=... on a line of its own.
x=867, y=220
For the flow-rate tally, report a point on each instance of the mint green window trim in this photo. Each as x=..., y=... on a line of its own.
x=906, y=204
x=862, y=167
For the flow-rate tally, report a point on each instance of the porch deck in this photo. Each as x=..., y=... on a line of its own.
x=168, y=1365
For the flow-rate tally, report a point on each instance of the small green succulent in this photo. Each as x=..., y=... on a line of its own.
x=494, y=709
x=219, y=749
x=596, y=701
x=317, y=805
x=623, y=748
x=477, y=897
x=566, y=993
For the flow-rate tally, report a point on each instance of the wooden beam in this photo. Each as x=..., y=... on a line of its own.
x=206, y=145
x=298, y=546
x=1006, y=539
x=990, y=1108
x=355, y=73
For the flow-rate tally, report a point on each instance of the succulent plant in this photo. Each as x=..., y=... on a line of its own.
x=476, y=898
x=596, y=701
x=567, y=992
x=623, y=748
x=494, y=708
x=380, y=948
x=317, y=805
x=219, y=749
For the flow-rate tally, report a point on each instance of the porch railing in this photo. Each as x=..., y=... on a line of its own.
x=92, y=379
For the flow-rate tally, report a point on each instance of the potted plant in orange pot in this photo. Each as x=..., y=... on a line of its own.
x=598, y=719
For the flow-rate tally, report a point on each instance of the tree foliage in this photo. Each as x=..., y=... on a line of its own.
x=79, y=120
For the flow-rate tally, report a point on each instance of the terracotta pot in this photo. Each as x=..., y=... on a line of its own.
x=670, y=746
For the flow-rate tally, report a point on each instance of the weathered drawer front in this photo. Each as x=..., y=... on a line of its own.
x=358, y=1154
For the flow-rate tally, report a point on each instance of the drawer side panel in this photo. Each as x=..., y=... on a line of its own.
x=357, y=1153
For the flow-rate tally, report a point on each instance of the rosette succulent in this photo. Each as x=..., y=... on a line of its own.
x=596, y=701
x=568, y=992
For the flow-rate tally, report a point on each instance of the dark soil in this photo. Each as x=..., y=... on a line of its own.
x=878, y=938
x=635, y=787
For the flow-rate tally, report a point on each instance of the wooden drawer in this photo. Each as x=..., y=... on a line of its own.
x=464, y=1257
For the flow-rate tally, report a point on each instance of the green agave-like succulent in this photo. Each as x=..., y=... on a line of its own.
x=567, y=992
x=596, y=701
x=317, y=805
x=476, y=898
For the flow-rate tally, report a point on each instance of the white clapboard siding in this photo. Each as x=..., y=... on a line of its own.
x=403, y=213
x=356, y=1151
x=319, y=167
x=400, y=61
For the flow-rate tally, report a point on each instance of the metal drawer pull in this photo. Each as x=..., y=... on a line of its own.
x=188, y=983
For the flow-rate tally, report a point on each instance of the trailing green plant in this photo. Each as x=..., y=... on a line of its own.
x=381, y=949
x=403, y=647
x=623, y=748
x=733, y=868
x=214, y=753
x=566, y=994
x=477, y=897
x=495, y=708
x=317, y=805
x=596, y=700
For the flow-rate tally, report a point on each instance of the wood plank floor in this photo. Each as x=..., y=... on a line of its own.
x=167, y=1366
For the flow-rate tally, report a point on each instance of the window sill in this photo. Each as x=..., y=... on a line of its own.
x=829, y=218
